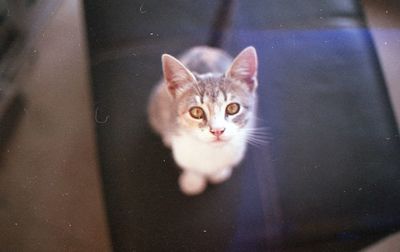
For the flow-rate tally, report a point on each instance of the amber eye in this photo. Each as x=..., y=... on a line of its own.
x=232, y=108
x=196, y=113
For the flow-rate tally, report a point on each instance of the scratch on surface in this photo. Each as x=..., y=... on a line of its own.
x=141, y=9
x=96, y=117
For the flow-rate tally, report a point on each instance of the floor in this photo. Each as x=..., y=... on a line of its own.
x=50, y=187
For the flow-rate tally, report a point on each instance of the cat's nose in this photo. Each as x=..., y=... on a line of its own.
x=217, y=132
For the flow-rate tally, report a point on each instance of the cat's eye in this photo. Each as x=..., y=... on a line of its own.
x=232, y=108
x=196, y=112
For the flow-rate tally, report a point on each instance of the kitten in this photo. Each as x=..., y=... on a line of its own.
x=204, y=110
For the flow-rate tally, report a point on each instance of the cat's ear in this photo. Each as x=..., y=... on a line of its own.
x=244, y=68
x=176, y=75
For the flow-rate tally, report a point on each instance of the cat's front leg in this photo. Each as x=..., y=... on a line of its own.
x=220, y=176
x=192, y=183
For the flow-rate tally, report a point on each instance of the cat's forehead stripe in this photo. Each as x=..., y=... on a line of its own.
x=198, y=99
x=224, y=94
x=217, y=90
x=229, y=96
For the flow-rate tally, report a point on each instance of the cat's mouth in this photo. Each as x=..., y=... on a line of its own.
x=219, y=140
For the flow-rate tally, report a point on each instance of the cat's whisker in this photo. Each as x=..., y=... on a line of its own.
x=259, y=119
x=266, y=138
x=257, y=143
x=259, y=128
x=258, y=136
x=260, y=140
x=260, y=133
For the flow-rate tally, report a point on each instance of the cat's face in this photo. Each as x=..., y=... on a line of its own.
x=214, y=108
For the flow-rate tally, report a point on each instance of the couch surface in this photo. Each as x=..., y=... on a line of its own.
x=329, y=178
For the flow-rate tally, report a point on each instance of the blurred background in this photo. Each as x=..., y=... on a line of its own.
x=80, y=169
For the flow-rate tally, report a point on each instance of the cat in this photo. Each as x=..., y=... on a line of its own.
x=204, y=110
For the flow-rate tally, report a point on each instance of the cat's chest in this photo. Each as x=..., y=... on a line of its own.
x=192, y=154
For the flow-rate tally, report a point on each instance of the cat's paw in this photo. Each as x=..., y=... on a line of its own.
x=220, y=176
x=191, y=183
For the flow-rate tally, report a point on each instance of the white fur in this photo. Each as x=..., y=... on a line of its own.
x=201, y=157
x=205, y=160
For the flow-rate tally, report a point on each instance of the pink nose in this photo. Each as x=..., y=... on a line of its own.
x=217, y=132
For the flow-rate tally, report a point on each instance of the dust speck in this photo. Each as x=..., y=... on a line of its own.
x=96, y=117
x=141, y=9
